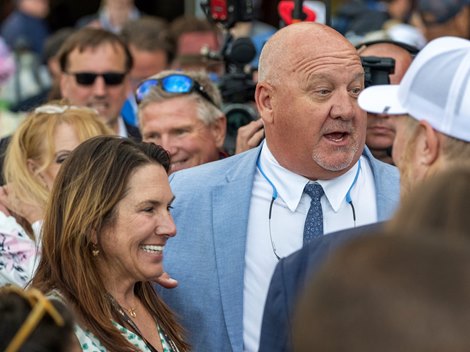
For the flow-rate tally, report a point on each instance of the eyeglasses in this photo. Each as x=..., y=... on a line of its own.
x=173, y=84
x=88, y=78
x=40, y=305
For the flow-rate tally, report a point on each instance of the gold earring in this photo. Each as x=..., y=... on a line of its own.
x=95, y=251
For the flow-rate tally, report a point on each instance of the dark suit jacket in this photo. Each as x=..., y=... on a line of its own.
x=133, y=132
x=289, y=278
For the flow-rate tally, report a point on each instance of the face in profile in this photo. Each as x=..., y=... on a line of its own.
x=403, y=153
x=134, y=242
x=381, y=127
x=104, y=97
x=380, y=131
x=174, y=124
x=65, y=141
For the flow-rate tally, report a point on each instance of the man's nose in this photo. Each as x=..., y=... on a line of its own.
x=344, y=106
x=169, y=144
x=99, y=86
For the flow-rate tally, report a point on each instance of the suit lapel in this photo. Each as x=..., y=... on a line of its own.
x=231, y=201
x=387, y=187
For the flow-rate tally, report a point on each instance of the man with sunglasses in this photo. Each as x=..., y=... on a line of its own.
x=95, y=68
x=182, y=113
x=236, y=217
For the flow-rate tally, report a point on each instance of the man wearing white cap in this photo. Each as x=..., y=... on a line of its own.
x=432, y=104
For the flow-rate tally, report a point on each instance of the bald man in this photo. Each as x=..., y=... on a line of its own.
x=380, y=127
x=236, y=217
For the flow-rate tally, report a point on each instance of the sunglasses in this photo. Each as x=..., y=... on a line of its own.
x=88, y=78
x=173, y=84
x=40, y=306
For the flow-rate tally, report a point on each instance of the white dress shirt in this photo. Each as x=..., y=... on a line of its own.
x=289, y=212
x=122, y=128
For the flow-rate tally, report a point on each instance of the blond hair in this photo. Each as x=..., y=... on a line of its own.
x=34, y=140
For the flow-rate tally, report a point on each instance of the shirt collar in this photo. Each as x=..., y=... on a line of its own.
x=290, y=186
x=122, y=128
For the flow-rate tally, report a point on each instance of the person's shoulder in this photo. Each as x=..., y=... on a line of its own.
x=329, y=242
x=379, y=166
x=11, y=23
x=216, y=171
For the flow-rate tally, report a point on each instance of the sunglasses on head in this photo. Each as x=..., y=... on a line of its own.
x=40, y=306
x=88, y=78
x=173, y=84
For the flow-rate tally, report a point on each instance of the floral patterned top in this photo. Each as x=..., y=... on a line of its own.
x=19, y=254
x=88, y=342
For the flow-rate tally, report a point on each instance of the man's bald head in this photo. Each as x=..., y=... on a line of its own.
x=281, y=52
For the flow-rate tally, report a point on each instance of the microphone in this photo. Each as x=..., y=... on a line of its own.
x=292, y=11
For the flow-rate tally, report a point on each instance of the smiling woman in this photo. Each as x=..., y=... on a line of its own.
x=109, y=216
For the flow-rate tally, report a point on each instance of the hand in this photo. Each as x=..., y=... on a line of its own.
x=12, y=206
x=249, y=136
x=166, y=281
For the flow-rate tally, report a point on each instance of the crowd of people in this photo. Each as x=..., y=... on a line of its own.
x=337, y=223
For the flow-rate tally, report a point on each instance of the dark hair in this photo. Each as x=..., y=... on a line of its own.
x=389, y=293
x=149, y=33
x=54, y=42
x=92, y=38
x=46, y=337
x=87, y=190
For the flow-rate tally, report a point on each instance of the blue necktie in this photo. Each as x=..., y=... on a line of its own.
x=313, y=227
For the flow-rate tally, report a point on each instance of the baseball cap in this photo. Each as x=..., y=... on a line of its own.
x=436, y=89
x=440, y=11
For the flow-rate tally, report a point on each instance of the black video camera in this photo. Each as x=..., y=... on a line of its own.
x=377, y=70
x=236, y=85
x=229, y=12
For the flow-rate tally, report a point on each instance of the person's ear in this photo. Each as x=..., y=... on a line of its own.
x=428, y=144
x=219, y=130
x=263, y=98
x=94, y=237
x=32, y=166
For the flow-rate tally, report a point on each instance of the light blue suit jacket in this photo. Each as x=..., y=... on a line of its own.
x=207, y=256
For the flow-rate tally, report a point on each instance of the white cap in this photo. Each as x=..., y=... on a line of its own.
x=435, y=88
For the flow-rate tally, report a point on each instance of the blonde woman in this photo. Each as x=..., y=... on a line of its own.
x=36, y=151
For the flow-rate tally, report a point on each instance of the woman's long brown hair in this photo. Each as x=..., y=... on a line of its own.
x=86, y=192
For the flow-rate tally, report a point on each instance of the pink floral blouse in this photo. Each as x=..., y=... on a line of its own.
x=19, y=254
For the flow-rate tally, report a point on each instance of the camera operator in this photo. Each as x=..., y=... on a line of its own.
x=391, y=59
x=238, y=53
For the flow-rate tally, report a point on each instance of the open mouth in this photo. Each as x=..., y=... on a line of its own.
x=99, y=106
x=336, y=137
x=154, y=249
x=177, y=165
x=381, y=129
